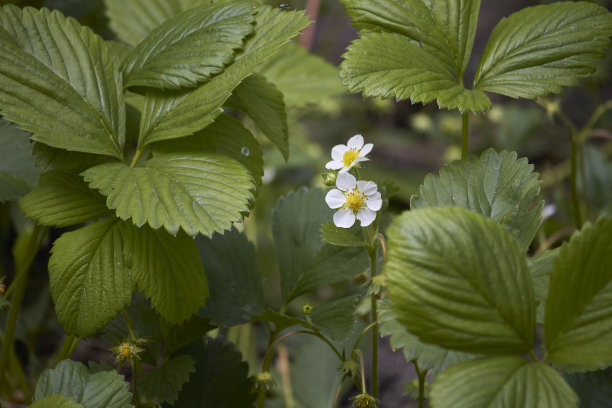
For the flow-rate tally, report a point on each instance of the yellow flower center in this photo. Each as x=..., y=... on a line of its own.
x=350, y=156
x=354, y=200
x=125, y=351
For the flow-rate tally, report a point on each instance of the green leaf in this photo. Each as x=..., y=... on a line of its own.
x=221, y=378
x=49, y=158
x=342, y=236
x=498, y=382
x=445, y=29
x=540, y=269
x=178, y=336
x=56, y=401
x=105, y=389
x=496, y=185
x=63, y=199
x=593, y=388
x=189, y=48
x=459, y=280
x=164, y=383
x=427, y=356
x=302, y=77
x=579, y=305
x=335, y=319
x=389, y=65
x=235, y=284
x=306, y=263
x=225, y=135
x=260, y=99
x=169, y=116
x=18, y=175
x=199, y=193
x=539, y=49
x=280, y=321
x=59, y=81
x=4, y=303
x=89, y=275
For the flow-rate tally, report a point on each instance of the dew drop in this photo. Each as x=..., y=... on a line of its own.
x=245, y=151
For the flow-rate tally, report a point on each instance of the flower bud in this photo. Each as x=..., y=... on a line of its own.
x=264, y=380
x=364, y=401
x=329, y=178
x=307, y=309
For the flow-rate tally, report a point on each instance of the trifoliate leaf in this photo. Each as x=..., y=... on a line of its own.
x=427, y=356
x=539, y=49
x=18, y=175
x=59, y=81
x=164, y=383
x=388, y=65
x=264, y=104
x=459, y=280
x=106, y=389
x=540, y=269
x=166, y=116
x=593, y=388
x=579, y=305
x=89, y=275
x=56, y=401
x=202, y=193
x=500, y=382
x=343, y=236
x=62, y=199
x=189, y=48
x=49, y=158
x=335, y=319
x=220, y=380
x=496, y=185
x=306, y=263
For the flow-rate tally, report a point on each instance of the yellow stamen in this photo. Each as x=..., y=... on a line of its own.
x=350, y=156
x=354, y=200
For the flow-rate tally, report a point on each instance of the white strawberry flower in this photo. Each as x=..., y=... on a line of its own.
x=355, y=199
x=346, y=156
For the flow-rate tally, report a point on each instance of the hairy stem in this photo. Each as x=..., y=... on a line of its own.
x=464, y=135
x=573, y=179
x=374, y=304
x=68, y=347
x=136, y=158
x=421, y=376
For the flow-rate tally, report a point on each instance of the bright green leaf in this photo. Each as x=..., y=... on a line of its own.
x=579, y=305
x=89, y=275
x=539, y=49
x=593, y=388
x=501, y=382
x=427, y=356
x=62, y=199
x=105, y=389
x=167, y=116
x=18, y=175
x=235, y=284
x=264, y=104
x=335, y=319
x=56, y=401
x=459, y=280
x=342, y=236
x=189, y=48
x=540, y=269
x=496, y=185
x=225, y=135
x=49, y=158
x=220, y=380
x=199, y=193
x=306, y=263
x=164, y=383
x=389, y=65
x=59, y=81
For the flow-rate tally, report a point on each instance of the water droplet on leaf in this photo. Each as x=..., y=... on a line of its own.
x=245, y=151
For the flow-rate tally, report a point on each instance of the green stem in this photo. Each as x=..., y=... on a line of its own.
x=23, y=269
x=68, y=347
x=601, y=109
x=465, y=135
x=421, y=377
x=335, y=403
x=573, y=178
x=361, y=336
x=533, y=356
x=261, y=395
x=136, y=158
x=374, y=304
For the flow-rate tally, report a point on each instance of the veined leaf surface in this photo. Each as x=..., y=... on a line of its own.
x=18, y=174
x=56, y=401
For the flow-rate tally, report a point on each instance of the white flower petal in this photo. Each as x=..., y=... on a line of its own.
x=366, y=216
x=344, y=218
x=345, y=181
x=355, y=142
x=359, y=159
x=366, y=149
x=338, y=151
x=334, y=165
x=335, y=198
x=367, y=187
x=374, y=202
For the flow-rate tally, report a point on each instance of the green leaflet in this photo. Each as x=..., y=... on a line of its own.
x=579, y=305
x=306, y=263
x=200, y=193
x=164, y=383
x=459, y=280
x=540, y=269
x=49, y=158
x=335, y=319
x=236, y=291
x=56, y=401
x=501, y=382
x=539, y=49
x=18, y=175
x=496, y=185
x=189, y=48
x=264, y=104
x=343, y=236
x=59, y=81
x=389, y=65
x=62, y=199
x=104, y=389
x=167, y=116
x=593, y=388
